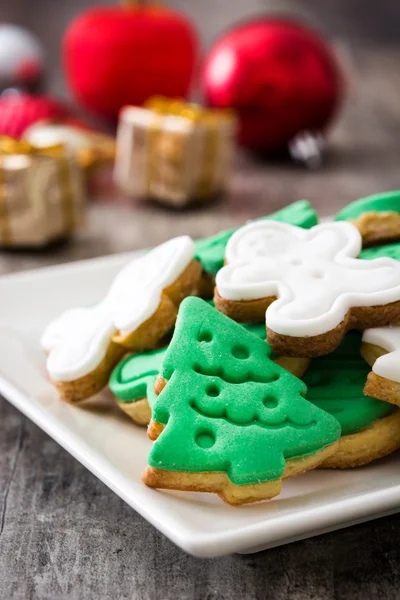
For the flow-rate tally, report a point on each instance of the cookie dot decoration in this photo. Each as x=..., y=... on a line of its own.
x=270, y=402
x=205, y=440
x=309, y=279
x=205, y=336
x=241, y=352
x=230, y=424
x=212, y=390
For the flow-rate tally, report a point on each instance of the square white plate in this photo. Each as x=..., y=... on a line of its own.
x=115, y=450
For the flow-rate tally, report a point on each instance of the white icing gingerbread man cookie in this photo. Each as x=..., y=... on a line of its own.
x=309, y=282
x=84, y=344
x=381, y=349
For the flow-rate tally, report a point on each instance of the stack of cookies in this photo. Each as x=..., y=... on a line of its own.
x=249, y=354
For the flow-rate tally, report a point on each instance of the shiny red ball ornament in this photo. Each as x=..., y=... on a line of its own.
x=121, y=55
x=281, y=77
x=19, y=111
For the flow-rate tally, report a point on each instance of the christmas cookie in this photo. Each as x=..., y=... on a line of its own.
x=380, y=345
x=381, y=349
x=370, y=428
x=210, y=251
x=84, y=344
x=227, y=419
x=132, y=381
x=307, y=284
x=376, y=217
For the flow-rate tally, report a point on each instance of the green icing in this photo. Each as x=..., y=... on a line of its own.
x=390, y=250
x=335, y=383
x=135, y=376
x=227, y=407
x=211, y=251
x=387, y=201
x=299, y=213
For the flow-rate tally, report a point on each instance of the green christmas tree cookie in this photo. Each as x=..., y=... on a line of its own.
x=211, y=251
x=132, y=381
x=229, y=420
x=335, y=383
x=376, y=217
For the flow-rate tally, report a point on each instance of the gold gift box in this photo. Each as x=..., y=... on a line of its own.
x=174, y=152
x=41, y=194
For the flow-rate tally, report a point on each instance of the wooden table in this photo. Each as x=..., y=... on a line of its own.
x=64, y=535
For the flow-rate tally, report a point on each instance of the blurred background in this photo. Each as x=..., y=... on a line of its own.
x=360, y=154
x=360, y=27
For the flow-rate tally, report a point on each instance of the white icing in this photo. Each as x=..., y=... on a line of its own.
x=388, y=338
x=314, y=274
x=78, y=340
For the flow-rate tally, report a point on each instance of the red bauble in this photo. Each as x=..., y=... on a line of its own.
x=19, y=111
x=124, y=55
x=280, y=76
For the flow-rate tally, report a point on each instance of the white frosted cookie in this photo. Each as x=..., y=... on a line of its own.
x=138, y=310
x=381, y=349
x=309, y=285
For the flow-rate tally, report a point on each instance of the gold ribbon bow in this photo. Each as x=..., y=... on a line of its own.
x=9, y=145
x=188, y=110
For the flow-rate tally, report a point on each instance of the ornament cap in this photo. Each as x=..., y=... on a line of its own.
x=307, y=148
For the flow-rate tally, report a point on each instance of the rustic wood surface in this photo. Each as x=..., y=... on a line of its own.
x=63, y=534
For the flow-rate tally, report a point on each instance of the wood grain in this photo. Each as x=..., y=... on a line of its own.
x=63, y=534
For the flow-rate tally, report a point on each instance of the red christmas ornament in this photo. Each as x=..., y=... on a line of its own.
x=19, y=111
x=281, y=77
x=115, y=56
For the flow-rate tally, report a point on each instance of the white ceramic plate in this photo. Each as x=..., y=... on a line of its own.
x=115, y=450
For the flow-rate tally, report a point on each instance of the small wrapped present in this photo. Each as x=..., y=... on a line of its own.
x=173, y=152
x=41, y=194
